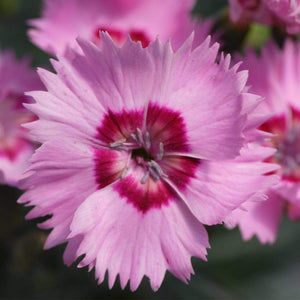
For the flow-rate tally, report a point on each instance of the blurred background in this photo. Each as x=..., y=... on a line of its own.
x=235, y=269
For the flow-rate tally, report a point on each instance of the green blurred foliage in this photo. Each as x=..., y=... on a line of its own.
x=210, y=7
x=258, y=35
x=235, y=269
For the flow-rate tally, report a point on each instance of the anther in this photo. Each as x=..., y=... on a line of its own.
x=292, y=164
x=133, y=136
x=160, y=154
x=140, y=136
x=147, y=140
x=117, y=143
x=124, y=172
x=145, y=178
x=153, y=173
x=156, y=167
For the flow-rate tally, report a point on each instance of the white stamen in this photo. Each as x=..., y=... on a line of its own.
x=155, y=166
x=140, y=136
x=147, y=140
x=134, y=137
x=124, y=172
x=153, y=174
x=160, y=154
x=291, y=164
x=145, y=178
x=117, y=143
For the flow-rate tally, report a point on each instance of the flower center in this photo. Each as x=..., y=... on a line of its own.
x=146, y=159
x=141, y=154
x=288, y=153
x=287, y=143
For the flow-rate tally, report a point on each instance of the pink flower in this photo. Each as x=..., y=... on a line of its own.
x=276, y=76
x=16, y=77
x=245, y=11
x=287, y=13
x=63, y=20
x=141, y=146
x=284, y=13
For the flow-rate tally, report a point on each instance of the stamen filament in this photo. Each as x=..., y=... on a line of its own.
x=140, y=136
x=161, y=151
x=117, y=143
x=145, y=177
x=147, y=140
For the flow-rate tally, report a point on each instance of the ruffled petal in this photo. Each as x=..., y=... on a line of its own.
x=258, y=218
x=124, y=241
x=212, y=116
x=219, y=187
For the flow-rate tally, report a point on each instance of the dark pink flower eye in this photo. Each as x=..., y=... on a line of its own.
x=150, y=146
x=117, y=35
x=139, y=36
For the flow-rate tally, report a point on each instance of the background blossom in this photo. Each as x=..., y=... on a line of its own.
x=245, y=11
x=63, y=21
x=276, y=75
x=16, y=77
x=283, y=13
x=287, y=13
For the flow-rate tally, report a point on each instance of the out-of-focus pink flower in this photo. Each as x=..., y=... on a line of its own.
x=140, y=148
x=287, y=13
x=16, y=77
x=63, y=21
x=276, y=76
x=284, y=13
x=245, y=11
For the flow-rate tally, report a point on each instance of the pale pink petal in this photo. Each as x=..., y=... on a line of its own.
x=124, y=241
x=258, y=218
x=219, y=187
x=215, y=104
x=118, y=72
x=61, y=187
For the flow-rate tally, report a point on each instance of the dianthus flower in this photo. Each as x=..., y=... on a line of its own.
x=16, y=77
x=140, y=147
x=276, y=76
x=287, y=12
x=63, y=20
x=245, y=11
x=283, y=13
